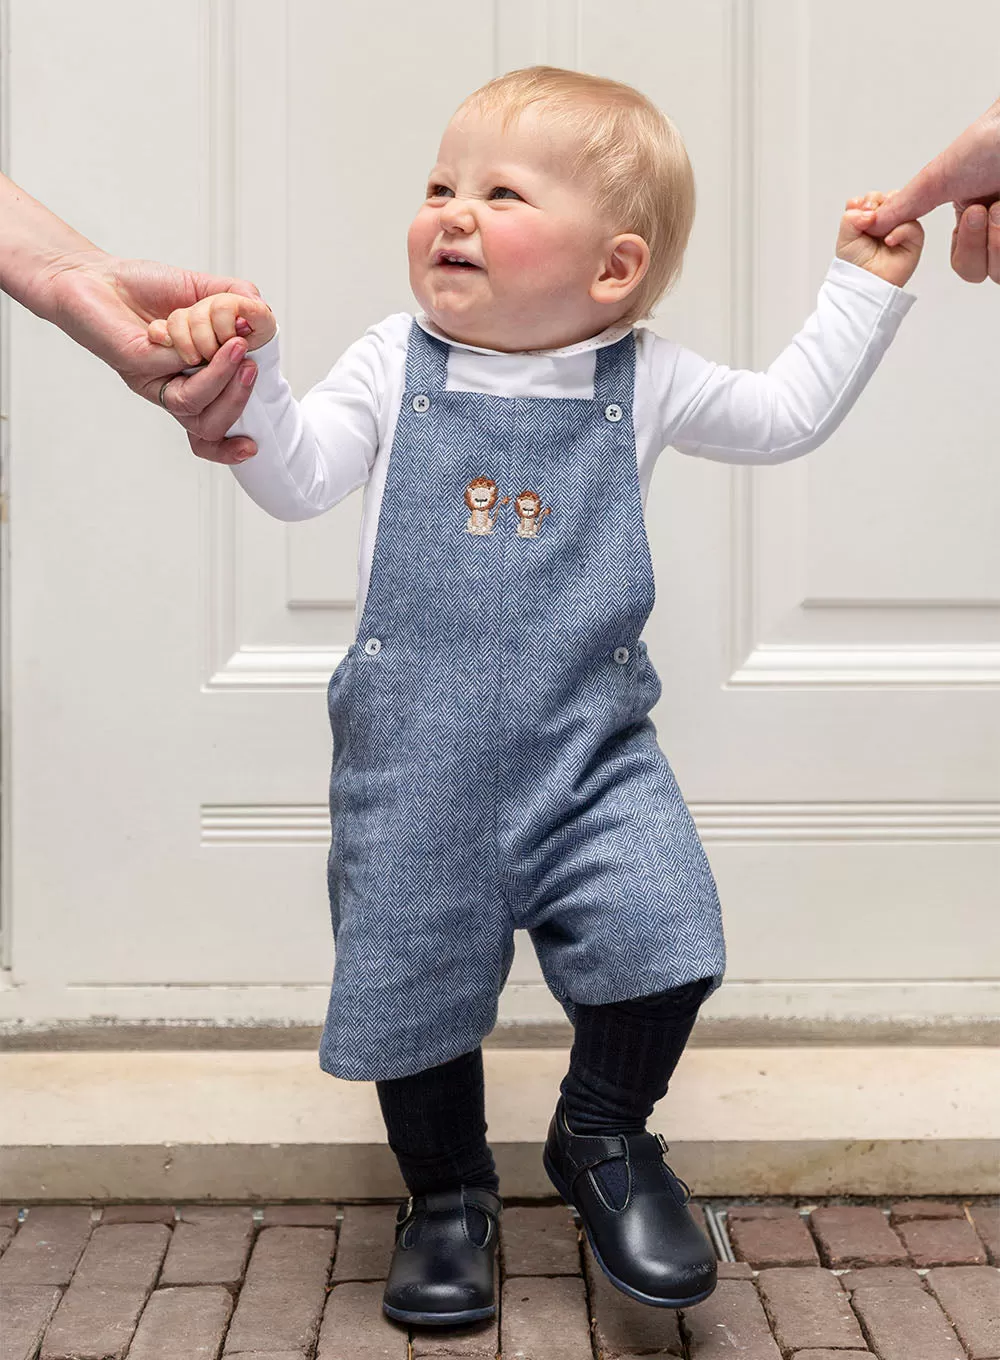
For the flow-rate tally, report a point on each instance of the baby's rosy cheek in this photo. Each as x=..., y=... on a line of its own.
x=528, y=254
x=420, y=236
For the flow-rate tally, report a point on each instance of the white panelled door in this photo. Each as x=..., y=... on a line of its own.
x=826, y=630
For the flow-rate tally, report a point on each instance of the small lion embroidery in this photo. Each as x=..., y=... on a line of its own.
x=528, y=506
x=480, y=497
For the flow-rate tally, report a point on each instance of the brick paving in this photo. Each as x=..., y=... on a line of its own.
x=888, y=1280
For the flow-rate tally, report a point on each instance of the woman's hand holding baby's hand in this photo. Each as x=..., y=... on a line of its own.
x=893, y=259
x=197, y=332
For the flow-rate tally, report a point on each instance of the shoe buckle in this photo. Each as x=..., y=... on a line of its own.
x=665, y=1148
x=403, y=1220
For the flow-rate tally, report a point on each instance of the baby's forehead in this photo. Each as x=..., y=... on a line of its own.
x=535, y=132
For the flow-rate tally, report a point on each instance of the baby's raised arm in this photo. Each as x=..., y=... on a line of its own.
x=741, y=416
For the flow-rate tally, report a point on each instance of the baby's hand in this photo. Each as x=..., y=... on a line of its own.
x=893, y=259
x=197, y=332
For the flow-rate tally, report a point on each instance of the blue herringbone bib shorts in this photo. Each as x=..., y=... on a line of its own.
x=494, y=764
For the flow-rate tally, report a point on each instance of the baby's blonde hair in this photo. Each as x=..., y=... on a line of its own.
x=629, y=151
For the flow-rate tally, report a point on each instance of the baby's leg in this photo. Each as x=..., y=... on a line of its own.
x=436, y=1122
x=623, y=1056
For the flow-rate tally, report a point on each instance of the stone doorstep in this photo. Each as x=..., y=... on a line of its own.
x=271, y=1125
x=346, y=1171
x=711, y=1031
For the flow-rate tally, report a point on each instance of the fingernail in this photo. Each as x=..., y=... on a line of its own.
x=977, y=217
x=995, y=214
x=248, y=375
x=243, y=327
x=236, y=353
x=242, y=457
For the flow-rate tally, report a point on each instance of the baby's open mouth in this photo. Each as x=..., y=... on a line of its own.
x=448, y=261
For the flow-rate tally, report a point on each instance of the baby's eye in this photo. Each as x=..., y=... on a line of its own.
x=438, y=190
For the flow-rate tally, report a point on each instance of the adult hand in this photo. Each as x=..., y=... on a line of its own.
x=106, y=304
x=967, y=173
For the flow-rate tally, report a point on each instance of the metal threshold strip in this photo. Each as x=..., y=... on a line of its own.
x=717, y=1231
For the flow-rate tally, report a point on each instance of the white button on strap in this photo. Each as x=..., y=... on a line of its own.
x=421, y=402
x=613, y=412
x=621, y=655
x=373, y=645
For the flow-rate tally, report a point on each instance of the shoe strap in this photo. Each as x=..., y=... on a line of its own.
x=445, y=1202
x=585, y=1150
x=653, y=1147
x=483, y=1198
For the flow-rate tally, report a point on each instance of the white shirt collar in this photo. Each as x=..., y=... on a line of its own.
x=606, y=337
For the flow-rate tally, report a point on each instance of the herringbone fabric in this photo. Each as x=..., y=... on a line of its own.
x=495, y=766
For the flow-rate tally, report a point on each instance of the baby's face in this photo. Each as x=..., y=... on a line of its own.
x=535, y=243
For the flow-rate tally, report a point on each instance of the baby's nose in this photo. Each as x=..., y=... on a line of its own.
x=457, y=209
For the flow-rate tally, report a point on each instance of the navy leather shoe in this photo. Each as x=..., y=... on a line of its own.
x=442, y=1270
x=647, y=1243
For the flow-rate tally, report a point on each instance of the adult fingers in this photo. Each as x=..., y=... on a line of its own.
x=206, y=284
x=213, y=418
x=234, y=450
x=188, y=396
x=226, y=409
x=924, y=191
x=970, y=243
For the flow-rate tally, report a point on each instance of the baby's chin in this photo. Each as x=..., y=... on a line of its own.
x=454, y=314
x=465, y=330
x=482, y=322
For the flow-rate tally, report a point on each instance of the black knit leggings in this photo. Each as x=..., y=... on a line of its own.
x=623, y=1056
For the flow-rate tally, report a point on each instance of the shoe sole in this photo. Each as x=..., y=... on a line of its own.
x=651, y=1299
x=440, y=1319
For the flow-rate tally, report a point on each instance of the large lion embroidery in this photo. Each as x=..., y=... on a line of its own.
x=480, y=497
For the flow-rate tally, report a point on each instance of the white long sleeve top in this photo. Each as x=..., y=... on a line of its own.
x=314, y=452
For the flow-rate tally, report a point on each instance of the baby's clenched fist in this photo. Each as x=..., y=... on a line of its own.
x=893, y=259
x=197, y=332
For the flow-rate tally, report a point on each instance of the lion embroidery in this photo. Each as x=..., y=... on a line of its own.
x=529, y=513
x=480, y=497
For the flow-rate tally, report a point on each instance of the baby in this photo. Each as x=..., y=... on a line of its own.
x=495, y=766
